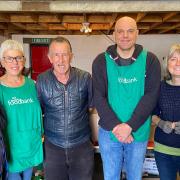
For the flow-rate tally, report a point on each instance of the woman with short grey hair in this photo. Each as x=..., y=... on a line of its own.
x=24, y=119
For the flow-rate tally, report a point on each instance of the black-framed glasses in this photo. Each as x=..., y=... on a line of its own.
x=10, y=59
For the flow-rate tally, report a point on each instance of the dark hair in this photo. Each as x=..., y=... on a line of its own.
x=60, y=39
x=2, y=118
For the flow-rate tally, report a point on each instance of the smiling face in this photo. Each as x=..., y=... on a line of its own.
x=60, y=56
x=174, y=65
x=14, y=66
x=125, y=33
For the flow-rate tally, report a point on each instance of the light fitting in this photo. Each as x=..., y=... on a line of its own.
x=85, y=27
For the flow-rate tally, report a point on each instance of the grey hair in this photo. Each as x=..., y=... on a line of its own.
x=175, y=48
x=10, y=45
x=60, y=39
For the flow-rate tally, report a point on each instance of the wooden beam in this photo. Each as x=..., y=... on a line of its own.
x=4, y=17
x=73, y=18
x=152, y=18
x=23, y=27
x=140, y=16
x=50, y=18
x=3, y=26
x=35, y=27
x=164, y=19
x=100, y=26
x=56, y=27
x=169, y=16
x=100, y=18
x=24, y=18
x=113, y=20
x=170, y=28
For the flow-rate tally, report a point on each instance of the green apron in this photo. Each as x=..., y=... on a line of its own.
x=24, y=126
x=125, y=89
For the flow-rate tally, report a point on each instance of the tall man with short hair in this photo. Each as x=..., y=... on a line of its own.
x=65, y=95
x=126, y=80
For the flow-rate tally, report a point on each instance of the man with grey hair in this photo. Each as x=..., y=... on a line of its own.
x=126, y=81
x=65, y=95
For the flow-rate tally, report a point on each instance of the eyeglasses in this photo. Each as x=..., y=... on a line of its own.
x=10, y=59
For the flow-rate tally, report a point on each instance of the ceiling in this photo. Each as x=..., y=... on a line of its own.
x=36, y=18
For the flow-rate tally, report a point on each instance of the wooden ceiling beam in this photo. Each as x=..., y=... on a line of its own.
x=56, y=27
x=43, y=25
x=35, y=27
x=1, y=32
x=164, y=19
x=50, y=18
x=140, y=16
x=112, y=23
x=74, y=27
x=175, y=18
x=3, y=26
x=169, y=29
x=24, y=18
x=169, y=16
x=100, y=26
x=100, y=18
x=4, y=17
x=143, y=26
x=85, y=17
x=152, y=18
x=23, y=27
x=73, y=18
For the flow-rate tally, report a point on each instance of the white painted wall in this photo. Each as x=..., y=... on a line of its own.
x=86, y=48
x=2, y=38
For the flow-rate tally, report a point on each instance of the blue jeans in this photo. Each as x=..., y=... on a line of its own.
x=74, y=163
x=24, y=175
x=168, y=165
x=115, y=154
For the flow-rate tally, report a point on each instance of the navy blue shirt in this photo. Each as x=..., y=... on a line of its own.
x=168, y=109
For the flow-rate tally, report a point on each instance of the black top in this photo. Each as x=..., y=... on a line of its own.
x=108, y=119
x=168, y=110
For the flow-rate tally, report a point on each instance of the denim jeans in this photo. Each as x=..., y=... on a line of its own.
x=116, y=155
x=168, y=165
x=24, y=175
x=74, y=163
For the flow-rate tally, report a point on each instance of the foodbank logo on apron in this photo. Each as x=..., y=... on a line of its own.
x=15, y=101
x=127, y=80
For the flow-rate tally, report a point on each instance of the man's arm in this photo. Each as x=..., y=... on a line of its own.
x=38, y=88
x=152, y=85
x=108, y=119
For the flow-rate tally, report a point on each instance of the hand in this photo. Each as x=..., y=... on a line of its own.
x=129, y=140
x=122, y=131
x=166, y=126
x=177, y=127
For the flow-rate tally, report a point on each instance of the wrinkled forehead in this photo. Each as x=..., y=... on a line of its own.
x=59, y=47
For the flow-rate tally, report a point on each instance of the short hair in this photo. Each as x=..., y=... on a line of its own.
x=10, y=45
x=175, y=48
x=60, y=39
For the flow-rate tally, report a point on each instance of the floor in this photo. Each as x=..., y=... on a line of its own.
x=98, y=173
